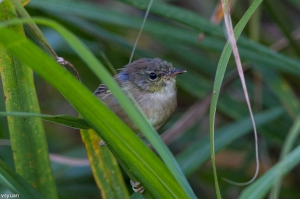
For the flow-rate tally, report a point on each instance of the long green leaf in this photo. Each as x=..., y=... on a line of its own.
x=65, y=120
x=281, y=88
x=223, y=136
x=27, y=135
x=287, y=146
x=172, y=12
x=260, y=187
x=117, y=135
x=16, y=184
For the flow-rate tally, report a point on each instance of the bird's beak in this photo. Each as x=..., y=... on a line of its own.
x=175, y=72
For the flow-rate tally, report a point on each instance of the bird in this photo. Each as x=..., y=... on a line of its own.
x=152, y=83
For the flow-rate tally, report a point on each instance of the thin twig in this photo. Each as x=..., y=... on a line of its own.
x=60, y=159
x=5, y=142
x=140, y=32
x=109, y=64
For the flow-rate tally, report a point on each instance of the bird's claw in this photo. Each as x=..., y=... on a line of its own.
x=62, y=61
x=137, y=187
x=102, y=143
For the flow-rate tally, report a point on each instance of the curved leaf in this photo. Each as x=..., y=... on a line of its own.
x=65, y=120
x=261, y=186
x=223, y=137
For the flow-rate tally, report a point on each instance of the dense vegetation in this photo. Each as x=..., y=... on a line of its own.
x=182, y=33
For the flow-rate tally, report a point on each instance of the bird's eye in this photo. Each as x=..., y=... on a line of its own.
x=152, y=76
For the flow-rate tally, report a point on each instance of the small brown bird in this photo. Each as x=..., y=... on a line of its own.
x=152, y=84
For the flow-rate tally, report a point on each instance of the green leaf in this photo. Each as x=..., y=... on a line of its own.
x=16, y=184
x=65, y=120
x=283, y=91
x=287, y=146
x=28, y=139
x=223, y=136
x=261, y=186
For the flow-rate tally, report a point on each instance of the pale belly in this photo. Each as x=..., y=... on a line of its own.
x=159, y=108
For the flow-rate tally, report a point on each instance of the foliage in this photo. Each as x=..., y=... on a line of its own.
x=183, y=35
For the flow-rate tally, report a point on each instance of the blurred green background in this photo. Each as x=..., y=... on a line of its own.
x=269, y=50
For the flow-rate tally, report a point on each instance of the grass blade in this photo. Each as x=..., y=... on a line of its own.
x=283, y=91
x=27, y=135
x=65, y=120
x=287, y=146
x=262, y=185
x=219, y=78
x=232, y=40
x=223, y=136
x=16, y=184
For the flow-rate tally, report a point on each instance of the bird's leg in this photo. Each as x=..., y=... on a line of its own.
x=61, y=61
x=64, y=62
x=102, y=143
x=137, y=187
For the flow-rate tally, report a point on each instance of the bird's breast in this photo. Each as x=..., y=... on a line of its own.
x=158, y=106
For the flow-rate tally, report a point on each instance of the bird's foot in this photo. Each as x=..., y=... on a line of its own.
x=62, y=61
x=137, y=187
x=102, y=143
